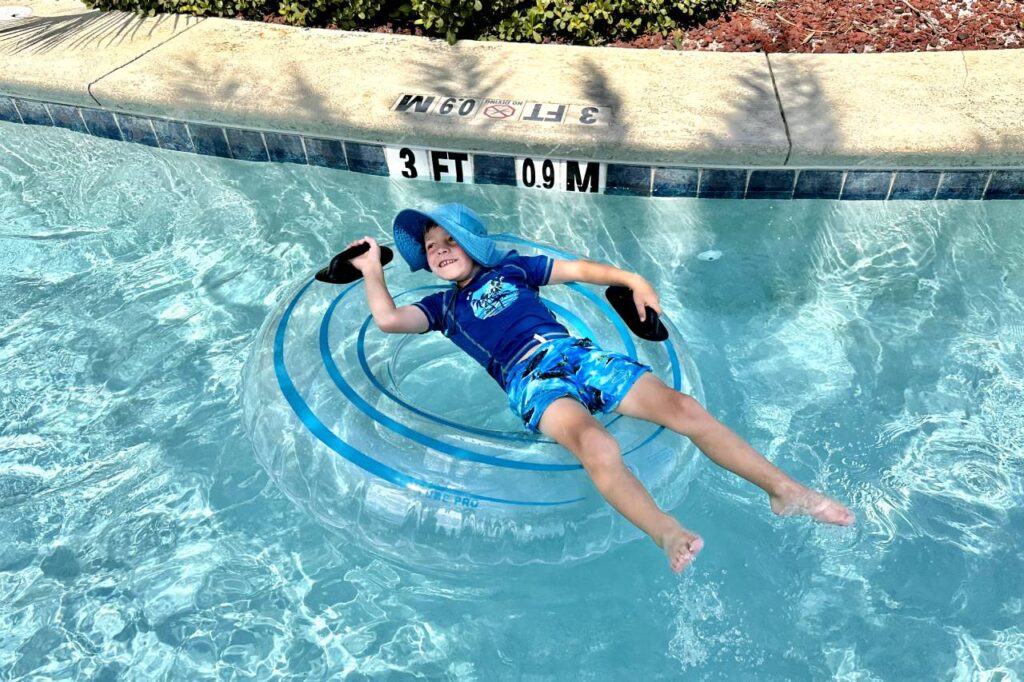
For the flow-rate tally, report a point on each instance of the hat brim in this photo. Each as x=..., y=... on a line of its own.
x=408, y=231
x=410, y=224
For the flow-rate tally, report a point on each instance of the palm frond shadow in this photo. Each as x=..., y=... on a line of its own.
x=84, y=30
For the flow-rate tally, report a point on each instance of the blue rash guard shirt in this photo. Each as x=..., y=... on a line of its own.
x=498, y=316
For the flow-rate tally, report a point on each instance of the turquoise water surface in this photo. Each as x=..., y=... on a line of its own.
x=873, y=350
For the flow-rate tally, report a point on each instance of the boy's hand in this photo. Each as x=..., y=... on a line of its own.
x=643, y=296
x=369, y=259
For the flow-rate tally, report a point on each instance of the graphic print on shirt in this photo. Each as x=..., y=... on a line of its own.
x=492, y=298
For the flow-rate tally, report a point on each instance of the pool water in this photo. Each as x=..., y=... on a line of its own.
x=874, y=350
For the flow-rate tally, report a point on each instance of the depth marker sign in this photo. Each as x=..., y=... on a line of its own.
x=566, y=175
x=499, y=111
x=532, y=172
x=457, y=107
x=414, y=163
x=414, y=104
x=485, y=109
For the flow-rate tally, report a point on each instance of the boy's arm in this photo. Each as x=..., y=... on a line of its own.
x=407, y=319
x=599, y=273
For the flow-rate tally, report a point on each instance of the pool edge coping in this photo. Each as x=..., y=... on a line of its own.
x=775, y=144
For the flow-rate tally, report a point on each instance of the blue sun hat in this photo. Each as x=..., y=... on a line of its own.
x=462, y=224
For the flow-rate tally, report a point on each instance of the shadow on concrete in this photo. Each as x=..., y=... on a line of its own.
x=198, y=83
x=993, y=148
x=83, y=30
x=804, y=109
x=596, y=90
x=803, y=103
x=749, y=120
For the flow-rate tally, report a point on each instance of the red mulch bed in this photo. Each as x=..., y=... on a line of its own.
x=822, y=26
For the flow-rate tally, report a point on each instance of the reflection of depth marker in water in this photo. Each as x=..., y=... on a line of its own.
x=709, y=256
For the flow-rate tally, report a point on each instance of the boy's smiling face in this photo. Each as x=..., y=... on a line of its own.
x=446, y=258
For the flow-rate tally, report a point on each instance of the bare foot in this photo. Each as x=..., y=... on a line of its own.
x=681, y=547
x=798, y=500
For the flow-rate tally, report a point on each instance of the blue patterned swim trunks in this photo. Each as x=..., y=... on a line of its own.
x=574, y=368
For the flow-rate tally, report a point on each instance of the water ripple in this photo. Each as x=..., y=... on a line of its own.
x=871, y=349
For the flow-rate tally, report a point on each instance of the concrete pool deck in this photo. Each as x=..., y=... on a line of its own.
x=892, y=111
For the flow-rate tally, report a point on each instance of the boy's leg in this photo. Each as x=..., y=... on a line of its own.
x=652, y=400
x=572, y=426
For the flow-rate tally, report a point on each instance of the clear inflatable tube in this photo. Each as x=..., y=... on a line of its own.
x=403, y=444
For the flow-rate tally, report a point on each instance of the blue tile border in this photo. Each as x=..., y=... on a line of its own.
x=33, y=113
x=67, y=117
x=771, y=184
x=675, y=182
x=819, y=184
x=494, y=169
x=172, y=135
x=284, y=148
x=326, y=153
x=864, y=185
x=246, y=145
x=722, y=183
x=915, y=185
x=209, y=140
x=9, y=112
x=101, y=124
x=137, y=129
x=628, y=180
x=962, y=184
x=366, y=158
x=1006, y=185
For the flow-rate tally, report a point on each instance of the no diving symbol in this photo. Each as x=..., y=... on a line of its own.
x=499, y=110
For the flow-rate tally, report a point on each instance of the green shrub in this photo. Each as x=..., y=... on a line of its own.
x=601, y=21
x=445, y=17
x=454, y=19
x=583, y=22
x=250, y=9
x=347, y=15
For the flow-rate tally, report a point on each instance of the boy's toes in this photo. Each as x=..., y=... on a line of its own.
x=682, y=549
x=834, y=512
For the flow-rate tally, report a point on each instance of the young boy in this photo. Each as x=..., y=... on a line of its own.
x=556, y=382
